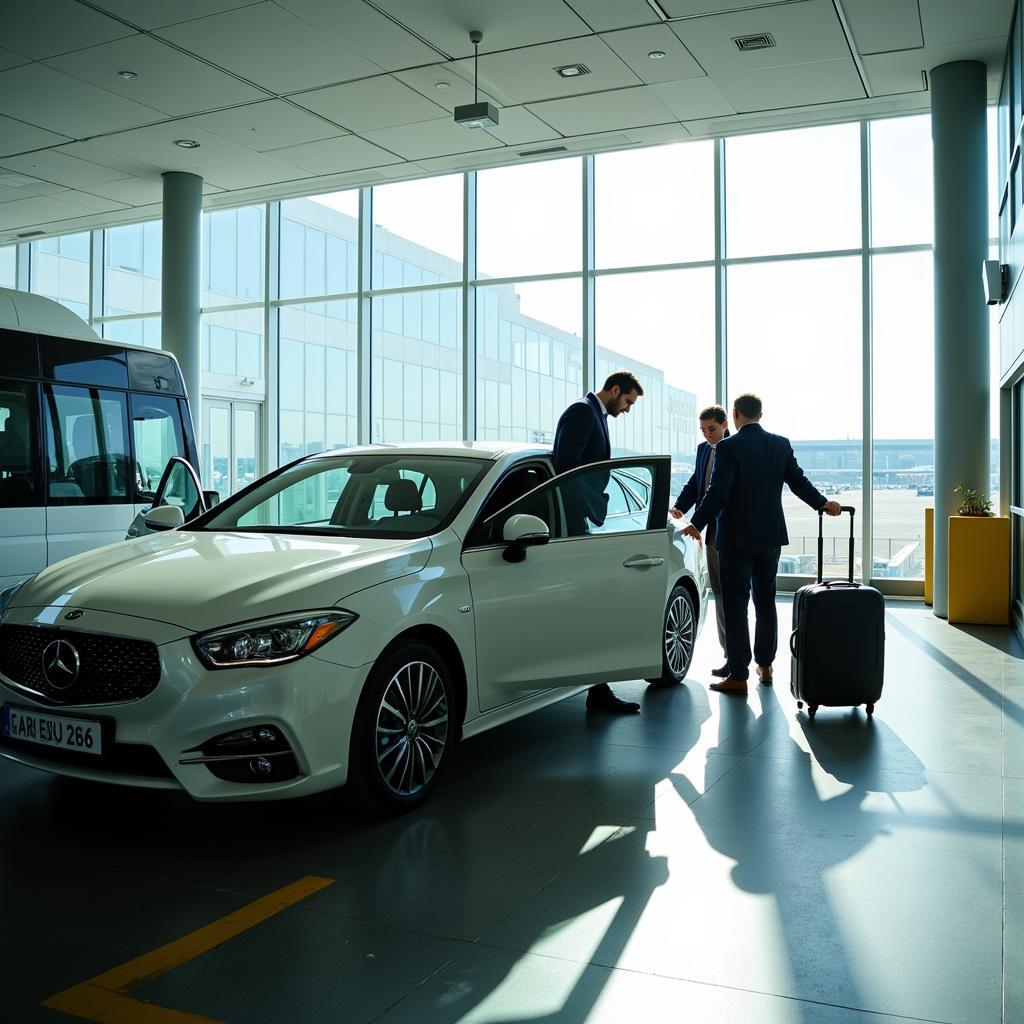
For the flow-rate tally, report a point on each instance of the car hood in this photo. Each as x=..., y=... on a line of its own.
x=200, y=580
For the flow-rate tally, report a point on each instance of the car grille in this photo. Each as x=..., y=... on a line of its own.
x=111, y=669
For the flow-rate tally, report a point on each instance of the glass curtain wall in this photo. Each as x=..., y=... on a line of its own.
x=794, y=264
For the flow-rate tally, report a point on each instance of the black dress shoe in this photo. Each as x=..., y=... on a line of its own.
x=722, y=673
x=601, y=698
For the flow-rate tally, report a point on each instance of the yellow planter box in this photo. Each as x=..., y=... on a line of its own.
x=929, y=554
x=979, y=569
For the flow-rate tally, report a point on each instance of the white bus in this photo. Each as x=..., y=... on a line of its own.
x=88, y=431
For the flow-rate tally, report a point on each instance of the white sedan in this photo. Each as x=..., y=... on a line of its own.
x=346, y=619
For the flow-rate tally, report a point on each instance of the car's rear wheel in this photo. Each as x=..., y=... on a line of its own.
x=679, y=634
x=403, y=731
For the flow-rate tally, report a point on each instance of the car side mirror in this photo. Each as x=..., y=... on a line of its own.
x=211, y=498
x=521, y=532
x=164, y=517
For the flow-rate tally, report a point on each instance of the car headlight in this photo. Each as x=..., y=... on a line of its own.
x=270, y=641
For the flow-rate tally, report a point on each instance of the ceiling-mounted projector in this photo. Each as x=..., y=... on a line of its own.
x=476, y=114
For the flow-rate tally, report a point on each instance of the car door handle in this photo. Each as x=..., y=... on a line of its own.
x=642, y=562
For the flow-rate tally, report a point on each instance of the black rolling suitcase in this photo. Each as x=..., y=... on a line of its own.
x=838, y=640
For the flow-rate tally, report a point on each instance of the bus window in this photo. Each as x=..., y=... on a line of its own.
x=87, y=446
x=156, y=427
x=19, y=481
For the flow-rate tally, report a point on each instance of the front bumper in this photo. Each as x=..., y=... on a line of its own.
x=310, y=702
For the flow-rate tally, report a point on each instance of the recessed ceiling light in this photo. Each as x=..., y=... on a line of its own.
x=443, y=85
x=657, y=55
x=127, y=75
x=573, y=70
x=187, y=143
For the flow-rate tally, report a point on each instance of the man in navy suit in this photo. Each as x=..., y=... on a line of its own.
x=745, y=494
x=581, y=438
x=714, y=425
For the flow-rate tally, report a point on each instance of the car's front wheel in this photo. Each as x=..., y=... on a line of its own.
x=403, y=731
x=678, y=636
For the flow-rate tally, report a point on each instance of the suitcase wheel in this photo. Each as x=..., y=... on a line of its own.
x=870, y=708
x=812, y=710
x=799, y=703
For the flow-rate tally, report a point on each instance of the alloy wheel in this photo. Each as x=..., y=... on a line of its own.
x=412, y=728
x=679, y=635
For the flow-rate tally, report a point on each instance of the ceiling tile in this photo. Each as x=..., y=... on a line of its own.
x=894, y=73
x=693, y=98
x=691, y=8
x=18, y=137
x=955, y=22
x=605, y=111
x=20, y=186
x=11, y=60
x=335, y=155
x=365, y=30
x=169, y=80
x=658, y=135
x=505, y=25
x=802, y=32
x=131, y=191
x=40, y=95
x=426, y=80
x=252, y=41
x=821, y=82
x=45, y=28
x=602, y=15
x=154, y=145
x=380, y=102
x=432, y=138
x=247, y=171
x=634, y=44
x=524, y=76
x=31, y=213
x=95, y=153
x=60, y=168
x=517, y=126
x=149, y=14
x=881, y=26
x=273, y=124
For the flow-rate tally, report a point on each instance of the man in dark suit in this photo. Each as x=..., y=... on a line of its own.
x=745, y=494
x=581, y=438
x=714, y=425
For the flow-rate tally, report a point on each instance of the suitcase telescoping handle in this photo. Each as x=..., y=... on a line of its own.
x=821, y=539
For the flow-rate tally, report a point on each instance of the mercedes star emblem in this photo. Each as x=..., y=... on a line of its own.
x=60, y=664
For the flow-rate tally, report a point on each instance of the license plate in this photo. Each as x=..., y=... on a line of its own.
x=77, y=734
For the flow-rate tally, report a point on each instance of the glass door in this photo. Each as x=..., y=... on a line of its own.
x=231, y=448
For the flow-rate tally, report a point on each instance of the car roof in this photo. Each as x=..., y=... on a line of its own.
x=480, y=449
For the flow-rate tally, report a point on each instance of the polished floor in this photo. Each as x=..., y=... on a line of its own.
x=711, y=861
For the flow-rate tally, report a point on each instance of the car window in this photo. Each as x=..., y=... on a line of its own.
x=179, y=489
x=591, y=500
x=392, y=495
x=515, y=484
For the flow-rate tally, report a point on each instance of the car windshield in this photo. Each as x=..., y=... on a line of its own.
x=387, y=495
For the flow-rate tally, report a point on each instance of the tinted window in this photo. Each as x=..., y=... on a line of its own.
x=19, y=353
x=84, y=362
x=19, y=462
x=87, y=446
x=154, y=371
x=156, y=427
x=513, y=485
x=180, y=490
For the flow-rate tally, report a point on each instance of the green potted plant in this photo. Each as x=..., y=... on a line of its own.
x=972, y=502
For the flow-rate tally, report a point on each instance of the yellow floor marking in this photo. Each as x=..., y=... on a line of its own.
x=103, y=998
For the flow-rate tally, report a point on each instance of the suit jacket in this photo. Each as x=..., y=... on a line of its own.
x=746, y=490
x=581, y=438
x=694, y=490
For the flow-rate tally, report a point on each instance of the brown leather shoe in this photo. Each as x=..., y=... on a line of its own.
x=731, y=685
x=764, y=673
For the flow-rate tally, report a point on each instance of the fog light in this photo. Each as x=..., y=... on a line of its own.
x=266, y=735
x=260, y=766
